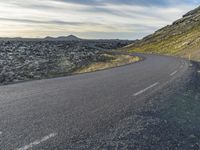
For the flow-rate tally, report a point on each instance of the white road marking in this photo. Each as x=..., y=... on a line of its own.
x=173, y=73
x=29, y=146
x=1, y=133
x=144, y=90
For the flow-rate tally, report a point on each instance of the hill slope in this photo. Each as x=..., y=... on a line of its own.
x=182, y=38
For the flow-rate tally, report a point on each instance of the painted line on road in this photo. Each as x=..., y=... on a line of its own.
x=144, y=90
x=173, y=73
x=37, y=142
x=1, y=133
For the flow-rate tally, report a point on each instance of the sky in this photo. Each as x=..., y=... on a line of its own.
x=91, y=19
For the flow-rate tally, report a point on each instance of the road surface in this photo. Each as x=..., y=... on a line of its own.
x=58, y=113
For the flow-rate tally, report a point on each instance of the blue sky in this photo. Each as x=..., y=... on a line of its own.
x=123, y=19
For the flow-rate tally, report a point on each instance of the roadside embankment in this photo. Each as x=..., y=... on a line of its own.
x=113, y=60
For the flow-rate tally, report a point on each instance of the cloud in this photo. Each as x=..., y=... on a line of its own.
x=130, y=2
x=124, y=2
x=112, y=18
x=58, y=22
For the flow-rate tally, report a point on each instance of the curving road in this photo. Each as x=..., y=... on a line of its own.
x=56, y=113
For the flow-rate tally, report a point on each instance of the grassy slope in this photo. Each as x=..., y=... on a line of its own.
x=182, y=38
x=114, y=61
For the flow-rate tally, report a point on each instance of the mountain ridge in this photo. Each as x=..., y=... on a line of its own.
x=60, y=38
x=63, y=38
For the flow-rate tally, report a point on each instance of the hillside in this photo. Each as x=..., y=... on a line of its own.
x=182, y=38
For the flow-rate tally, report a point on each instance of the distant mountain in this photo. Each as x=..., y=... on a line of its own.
x=48, y=38
x=63, y=38
x=182, y=38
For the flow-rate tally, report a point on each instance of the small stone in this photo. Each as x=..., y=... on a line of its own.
x=165, y=121
x=195, y=146
x=192, y=136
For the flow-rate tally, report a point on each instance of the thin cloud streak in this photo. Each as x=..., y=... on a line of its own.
x=48, y=22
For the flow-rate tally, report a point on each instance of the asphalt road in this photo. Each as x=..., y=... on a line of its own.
x=56, y=113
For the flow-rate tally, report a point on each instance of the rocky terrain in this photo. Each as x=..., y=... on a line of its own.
x=22, y=60
x=182, y=38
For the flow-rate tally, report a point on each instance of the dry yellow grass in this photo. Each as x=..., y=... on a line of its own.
x=117, y=60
